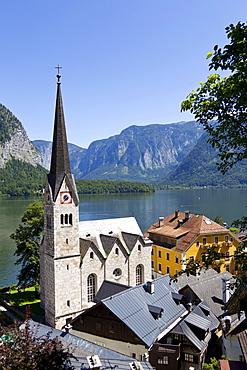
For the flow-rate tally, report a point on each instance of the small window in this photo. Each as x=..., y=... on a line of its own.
x=216, y=239
x=70, y=219
x=198, y=244
x=91, y=255
x=152, y=252
x=204, y=241
x=91, y=287
x=227, y=256
x=68, y=303
x=117, y=273
x=188, y=357
x=61, y=219
x=203, y=257
x=160, y=267
x=167, y=269
x=67, y=241
x=66, y=219
x=231, y=240
x=176, y=271
x=228, y=267
x=192, y=258
x=116, y=251
x=226, y=238
x=139, y=274
x=152, y=264
x=164, y=360
x=159, y=254
x=139, y=247
x=168, y=256
x=176, y=259
x=67, y=267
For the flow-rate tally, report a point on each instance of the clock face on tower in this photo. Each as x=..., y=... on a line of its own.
x=65, y=197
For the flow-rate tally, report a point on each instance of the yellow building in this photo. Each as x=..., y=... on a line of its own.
x=183, y=236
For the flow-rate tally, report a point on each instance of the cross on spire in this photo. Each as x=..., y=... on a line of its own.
x=58, y=74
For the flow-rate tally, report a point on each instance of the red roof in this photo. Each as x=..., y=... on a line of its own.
x=185, y=230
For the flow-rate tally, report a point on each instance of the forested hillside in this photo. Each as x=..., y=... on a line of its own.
x=199, y=169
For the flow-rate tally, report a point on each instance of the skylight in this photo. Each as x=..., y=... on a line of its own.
x=207, y=221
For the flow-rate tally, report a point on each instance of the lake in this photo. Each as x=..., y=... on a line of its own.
x=147, y=208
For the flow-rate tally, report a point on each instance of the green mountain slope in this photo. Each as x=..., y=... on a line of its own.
x=199, y=169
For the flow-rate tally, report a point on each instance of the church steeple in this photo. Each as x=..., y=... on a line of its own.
x=60, y=165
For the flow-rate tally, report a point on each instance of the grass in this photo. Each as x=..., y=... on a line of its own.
x=21, y=300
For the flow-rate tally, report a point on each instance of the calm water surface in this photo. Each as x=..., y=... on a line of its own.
x=147, y=208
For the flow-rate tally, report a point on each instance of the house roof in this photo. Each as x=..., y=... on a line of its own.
x=109, y=288
x=185, y=230
x=207, y=286
x=198, y=319
x=105, y=233
x=82, y=348
x=132, y=307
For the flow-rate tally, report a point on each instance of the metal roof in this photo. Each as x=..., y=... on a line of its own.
x=132, y=307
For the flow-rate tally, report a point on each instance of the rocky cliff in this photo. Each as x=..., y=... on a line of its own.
x=14, y=142
x=138, y=153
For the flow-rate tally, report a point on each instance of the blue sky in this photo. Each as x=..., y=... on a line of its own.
x=125, y=62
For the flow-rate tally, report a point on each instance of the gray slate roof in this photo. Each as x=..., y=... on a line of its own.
x=83, y=348
x=109, y=288
x=199, y=319
x=132, y=307
x=208, y=287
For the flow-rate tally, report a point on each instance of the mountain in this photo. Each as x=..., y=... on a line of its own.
x=138, y=153
x=14, y=142
x=20, y=169
x=199, y=168
x=76, y=155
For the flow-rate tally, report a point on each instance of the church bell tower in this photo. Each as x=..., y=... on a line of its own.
x=60, y=250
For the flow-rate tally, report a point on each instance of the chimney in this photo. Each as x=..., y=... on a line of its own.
x=68, y=328
x=176, y=213
x=161, y=221
x=186, y=215
x=150, y=286
x=94, y=362
x=225, y=290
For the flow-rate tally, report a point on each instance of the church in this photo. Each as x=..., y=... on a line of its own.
x=77, y=257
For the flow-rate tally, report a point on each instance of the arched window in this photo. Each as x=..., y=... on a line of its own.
x=91, y=255
x=61, y=219
x=70, y=219
x=91, y=287
x=117, y=251
x=66, y=219
x=139, y=274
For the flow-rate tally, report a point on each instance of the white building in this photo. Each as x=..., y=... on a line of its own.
x=76, y=257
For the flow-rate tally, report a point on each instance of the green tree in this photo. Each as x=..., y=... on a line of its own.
x=219, y=220
x=27, y=238
x=22, y=350
x=213, y=365
x=220, y=103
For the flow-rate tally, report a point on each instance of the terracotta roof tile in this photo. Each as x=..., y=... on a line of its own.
x=186, y=229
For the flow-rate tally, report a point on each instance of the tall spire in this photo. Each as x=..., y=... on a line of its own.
x=60, y=165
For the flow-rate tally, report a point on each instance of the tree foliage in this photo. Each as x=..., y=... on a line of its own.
x=27, y=238
x=105, y=186
x=20, y=349
x=220, y=103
